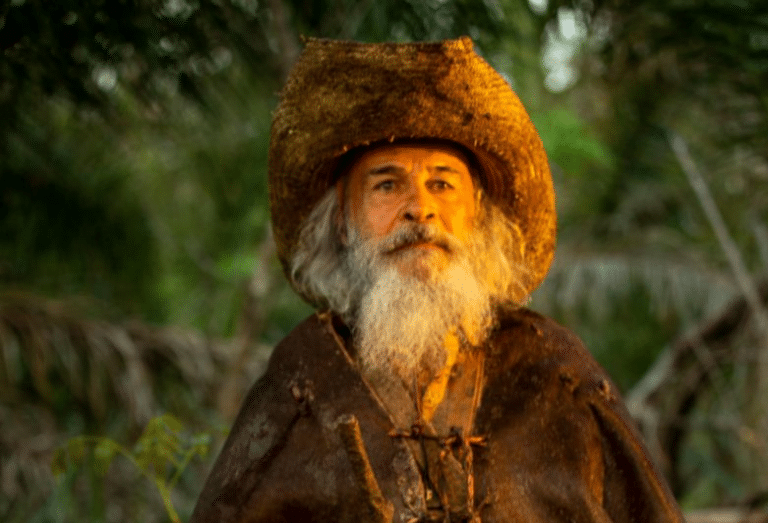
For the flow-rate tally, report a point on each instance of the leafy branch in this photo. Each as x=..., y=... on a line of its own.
x=161, y=455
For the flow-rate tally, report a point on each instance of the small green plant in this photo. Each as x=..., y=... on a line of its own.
x=161, y=454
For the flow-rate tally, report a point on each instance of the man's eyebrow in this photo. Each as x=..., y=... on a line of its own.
x=387, y=168
x=445, y=169
x=391, y=168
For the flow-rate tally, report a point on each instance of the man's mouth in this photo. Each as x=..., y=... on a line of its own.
x=424, y=245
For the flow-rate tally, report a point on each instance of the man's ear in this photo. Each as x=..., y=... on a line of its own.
x=339, y=221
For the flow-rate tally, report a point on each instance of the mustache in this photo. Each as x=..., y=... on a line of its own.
x=417, y=233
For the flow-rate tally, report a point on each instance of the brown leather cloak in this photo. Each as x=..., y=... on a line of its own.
x=558, y=443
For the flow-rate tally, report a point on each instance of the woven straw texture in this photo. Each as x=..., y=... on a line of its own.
x=341, y=95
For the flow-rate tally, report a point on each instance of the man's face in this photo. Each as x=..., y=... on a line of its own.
x=397, y=185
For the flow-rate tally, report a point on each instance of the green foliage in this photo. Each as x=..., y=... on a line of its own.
x=144, y=217
x=85, y=49
x=570, y=144
x=161, y=454
x=404, y=20
x=70, y=221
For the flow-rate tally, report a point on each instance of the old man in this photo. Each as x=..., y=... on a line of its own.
x=412, y=204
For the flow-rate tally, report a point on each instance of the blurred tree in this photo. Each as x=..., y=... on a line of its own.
x=641, y=72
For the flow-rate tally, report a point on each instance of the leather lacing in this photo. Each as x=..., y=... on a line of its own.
x=446, y=469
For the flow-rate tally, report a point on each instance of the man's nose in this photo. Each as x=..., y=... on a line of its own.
x=419, y=207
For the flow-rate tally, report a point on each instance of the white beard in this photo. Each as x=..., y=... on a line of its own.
x=403, y=319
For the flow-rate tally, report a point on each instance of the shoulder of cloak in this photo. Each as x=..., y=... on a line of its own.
x=533, y=357
x=532, y=351
x=309, y=362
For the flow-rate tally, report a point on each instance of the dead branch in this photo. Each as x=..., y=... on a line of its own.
x=730, y=249
x=663, y=399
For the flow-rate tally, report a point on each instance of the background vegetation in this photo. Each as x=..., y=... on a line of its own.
x=137, y=271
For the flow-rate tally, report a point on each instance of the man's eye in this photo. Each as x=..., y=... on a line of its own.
x=386, y=185
x=440, y=185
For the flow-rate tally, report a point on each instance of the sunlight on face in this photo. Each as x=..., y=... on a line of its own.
x=395, y=185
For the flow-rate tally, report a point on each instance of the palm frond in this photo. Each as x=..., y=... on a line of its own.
x=594, y=279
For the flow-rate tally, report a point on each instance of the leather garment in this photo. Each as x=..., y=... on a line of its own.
x=550, y=441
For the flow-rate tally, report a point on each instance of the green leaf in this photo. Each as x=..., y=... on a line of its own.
x=103, y=454
x=159, y=445
x=171, y=423
x=76, y=450
x=200, y=444
x=59, y=462
x=69, y=455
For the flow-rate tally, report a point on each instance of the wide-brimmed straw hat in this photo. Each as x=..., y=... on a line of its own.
x=343, y=95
